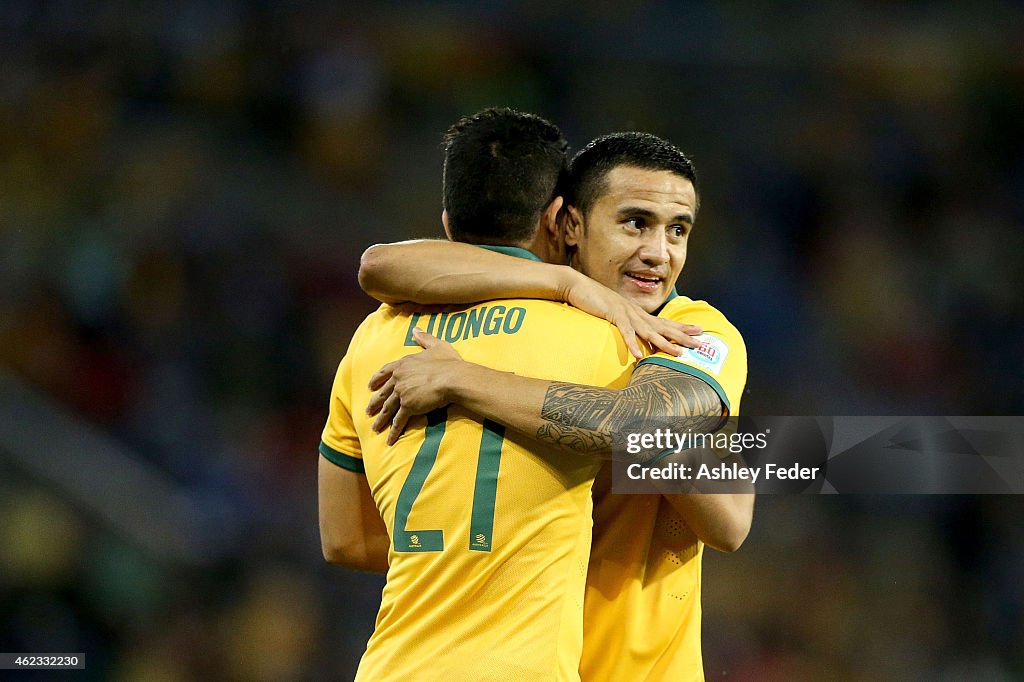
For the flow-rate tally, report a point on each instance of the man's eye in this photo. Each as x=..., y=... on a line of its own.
x=635, y=223
x=677, y=231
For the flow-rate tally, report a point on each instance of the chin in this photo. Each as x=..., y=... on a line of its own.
x=648, y=300
x=652, y=303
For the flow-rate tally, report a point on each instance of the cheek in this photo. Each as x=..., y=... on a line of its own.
x=620, y=249
x=593, y=251
x=680, y=258
x=602, y=263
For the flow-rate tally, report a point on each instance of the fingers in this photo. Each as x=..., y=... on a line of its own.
x=424, y=339
x=381, y=376
x=659, y=333
x=664, y=345
x=441, y=348
x=387, y=413
x=685, y=335
x=688, y=341
x=634, y=347
x=378, y=398
x=629, y=336
x=667, y=336
x=398, y=425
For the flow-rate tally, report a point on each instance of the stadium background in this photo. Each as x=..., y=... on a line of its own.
x=185, y=189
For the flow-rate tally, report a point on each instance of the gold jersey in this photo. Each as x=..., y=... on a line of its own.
x=490, y=531
x=642, y=610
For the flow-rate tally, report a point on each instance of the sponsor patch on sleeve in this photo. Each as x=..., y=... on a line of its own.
x=709, y=356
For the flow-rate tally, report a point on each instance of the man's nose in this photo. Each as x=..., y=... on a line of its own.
x=654, y=250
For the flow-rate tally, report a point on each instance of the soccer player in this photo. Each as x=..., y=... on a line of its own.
x=484, y=535
x=633, y=205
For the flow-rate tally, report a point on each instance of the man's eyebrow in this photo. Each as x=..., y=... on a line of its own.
x=647, y=213
x=635, y=210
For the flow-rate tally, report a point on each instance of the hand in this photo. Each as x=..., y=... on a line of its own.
x=413, y=385
x=632, y=320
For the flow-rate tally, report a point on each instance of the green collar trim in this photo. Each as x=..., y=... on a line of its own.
x=671, y=294
x=516, y=251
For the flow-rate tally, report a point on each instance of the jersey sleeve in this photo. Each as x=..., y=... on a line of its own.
x=339, y=443
x=721, y=359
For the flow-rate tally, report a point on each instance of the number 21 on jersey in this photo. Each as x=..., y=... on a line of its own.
x=481, y=524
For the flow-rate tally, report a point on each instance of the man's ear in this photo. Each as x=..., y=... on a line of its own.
x=552, y=232
x=444, y=221
x=549, y=220
x=573, y=226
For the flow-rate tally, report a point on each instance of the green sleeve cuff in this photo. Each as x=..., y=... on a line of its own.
x=341, y=459
x=694, y=372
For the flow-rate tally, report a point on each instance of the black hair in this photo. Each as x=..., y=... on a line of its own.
x=590, y=167
x=501, y=169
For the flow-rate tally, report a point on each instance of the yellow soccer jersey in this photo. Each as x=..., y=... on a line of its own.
x=490, y=532
x=642, y=611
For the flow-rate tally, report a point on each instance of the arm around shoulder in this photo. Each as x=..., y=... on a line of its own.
x=434, y=272
x=382, y=268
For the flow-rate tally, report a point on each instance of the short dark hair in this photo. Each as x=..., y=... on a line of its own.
x=501, y=169
x=590, y=167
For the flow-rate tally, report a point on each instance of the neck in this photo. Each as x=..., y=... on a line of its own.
x=548, y=247
x=573, y=259
x=538, y=247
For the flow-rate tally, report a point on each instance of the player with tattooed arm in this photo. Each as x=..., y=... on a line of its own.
x=484, y=534
x=633, y=204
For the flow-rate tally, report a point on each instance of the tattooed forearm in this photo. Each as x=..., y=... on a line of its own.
x=575, y=438
x=592, y=420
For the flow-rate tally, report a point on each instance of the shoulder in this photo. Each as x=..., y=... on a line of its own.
x=381, y=316
x=703, y=314
x=721, y=357
x=558, y=314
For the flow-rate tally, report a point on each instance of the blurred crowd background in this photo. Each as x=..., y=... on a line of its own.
x=186, y=188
